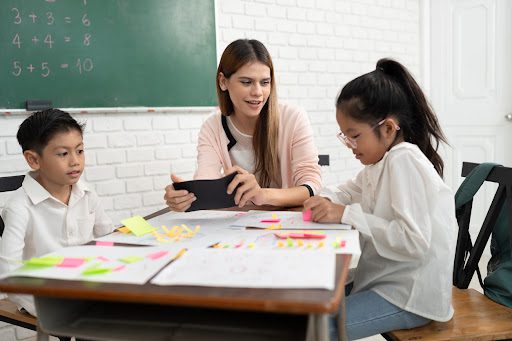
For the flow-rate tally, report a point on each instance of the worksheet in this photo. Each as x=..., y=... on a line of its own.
x=337, y=241
x=241, y=268
x=112, y=264
x=287, y=220
x=198, y=229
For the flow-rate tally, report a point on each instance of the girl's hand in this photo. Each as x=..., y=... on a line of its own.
x=178, y=201
x=323, y=210
x=249, y=189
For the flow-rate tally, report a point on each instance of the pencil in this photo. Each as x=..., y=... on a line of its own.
x=179, y=254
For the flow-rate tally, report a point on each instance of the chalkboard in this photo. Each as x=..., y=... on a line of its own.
x=107, y=53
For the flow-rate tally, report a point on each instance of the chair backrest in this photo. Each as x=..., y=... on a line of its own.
x=323, y=159
x=7, y=184
x=467, y=255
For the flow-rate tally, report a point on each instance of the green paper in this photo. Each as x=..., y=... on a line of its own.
x=96, y=270
x=131, y=259
x=44, y=261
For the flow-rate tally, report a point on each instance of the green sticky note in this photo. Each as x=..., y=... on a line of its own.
x=44, y=261
x=96, y=270
x=138, y=225
x=131, y=259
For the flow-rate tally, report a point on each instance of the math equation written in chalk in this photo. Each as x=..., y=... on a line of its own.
x=39, y=32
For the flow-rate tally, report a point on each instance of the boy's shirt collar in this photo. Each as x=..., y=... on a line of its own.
x=38, y=193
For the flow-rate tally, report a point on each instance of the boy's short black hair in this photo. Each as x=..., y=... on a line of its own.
x=36, y=131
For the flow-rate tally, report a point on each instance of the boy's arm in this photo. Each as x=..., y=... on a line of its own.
x=16, y=222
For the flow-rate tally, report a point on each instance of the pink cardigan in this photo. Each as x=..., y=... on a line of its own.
x=298, y=156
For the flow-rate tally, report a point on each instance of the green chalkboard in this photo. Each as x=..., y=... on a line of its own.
x=107, y=53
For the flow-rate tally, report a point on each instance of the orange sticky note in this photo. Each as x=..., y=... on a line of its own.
x=124, y=229
x=138, y=225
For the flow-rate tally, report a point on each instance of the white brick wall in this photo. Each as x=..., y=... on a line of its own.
x=316, y=45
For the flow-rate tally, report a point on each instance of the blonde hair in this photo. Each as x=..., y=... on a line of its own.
x=265, y=138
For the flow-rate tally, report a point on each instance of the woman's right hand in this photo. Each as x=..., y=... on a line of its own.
x=178, y=200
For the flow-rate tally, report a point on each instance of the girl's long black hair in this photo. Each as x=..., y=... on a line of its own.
x=390, y=90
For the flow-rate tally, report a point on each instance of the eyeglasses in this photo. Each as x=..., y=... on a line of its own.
x=351, y=142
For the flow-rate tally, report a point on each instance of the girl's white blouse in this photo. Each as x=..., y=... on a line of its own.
x=405, y=214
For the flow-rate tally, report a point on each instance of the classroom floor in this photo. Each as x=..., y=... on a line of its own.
x=474, y=284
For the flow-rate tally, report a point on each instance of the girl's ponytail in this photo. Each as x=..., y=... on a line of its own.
x=419, y=124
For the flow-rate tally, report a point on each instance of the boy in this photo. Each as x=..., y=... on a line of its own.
x=52, y=209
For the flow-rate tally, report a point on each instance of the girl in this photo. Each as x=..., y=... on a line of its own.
x=399, y=203
x=269, y=145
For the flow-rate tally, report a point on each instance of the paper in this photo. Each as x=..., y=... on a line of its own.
x=307, y=215
x=72, y=262
x=104, y=243
x=206, y=236
x=250, y=269
x=300, y=235
x=111, y=264
x=196, y=215
x=138, y=225
x=288, y=220
x=210, y=194
x=335, y=241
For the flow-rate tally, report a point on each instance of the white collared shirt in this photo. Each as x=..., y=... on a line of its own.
x=405, y=214
x=36, y=223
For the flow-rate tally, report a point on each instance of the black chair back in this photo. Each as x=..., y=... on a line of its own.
x=8, y=184
x=467, y=254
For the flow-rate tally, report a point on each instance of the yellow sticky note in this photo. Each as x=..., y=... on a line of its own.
x=131, y=259
x=138, y=225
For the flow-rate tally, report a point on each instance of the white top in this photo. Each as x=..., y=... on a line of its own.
x=242, y=153
x=36, y=223
x=405, y=214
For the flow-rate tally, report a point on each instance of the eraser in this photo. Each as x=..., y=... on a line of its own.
x=37, y=104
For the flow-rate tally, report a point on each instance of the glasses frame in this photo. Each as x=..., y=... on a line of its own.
x=351, y=142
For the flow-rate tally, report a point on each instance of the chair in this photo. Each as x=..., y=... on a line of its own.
x=9, y=312
x=323, y=159
x=476, y=317
x=8, y=184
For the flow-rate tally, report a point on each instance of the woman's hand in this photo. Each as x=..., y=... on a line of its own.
x=323, y=210
x=249, y=189
x=180, y=200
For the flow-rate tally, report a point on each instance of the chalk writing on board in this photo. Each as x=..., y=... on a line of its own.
x=42, y=40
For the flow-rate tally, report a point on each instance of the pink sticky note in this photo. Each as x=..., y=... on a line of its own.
x=104, y=243
x=270, y=220
x=307, y=215
x=71, y=263
x=119, y=268
x=156, y=255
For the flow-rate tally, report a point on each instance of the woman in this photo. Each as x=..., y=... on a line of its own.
x=269, y=145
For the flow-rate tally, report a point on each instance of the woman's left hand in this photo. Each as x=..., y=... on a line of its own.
x=249, y=189
x=323, y=210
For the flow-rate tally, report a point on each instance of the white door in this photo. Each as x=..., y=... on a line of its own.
x=471, y=85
